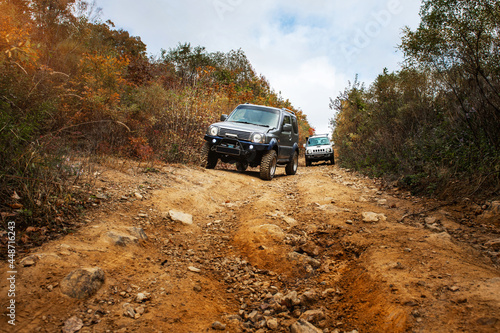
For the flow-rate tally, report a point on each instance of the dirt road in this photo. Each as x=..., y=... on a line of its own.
x=182, y=249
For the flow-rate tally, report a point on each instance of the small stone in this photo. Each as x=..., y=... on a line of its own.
x=83, y=282
x=30, y=260
x=313, y=316
x=72, y=325
x=494, y=244
x=194, y=269
x=272, y=324
x=218, y=326
x=454, y=288
x=121, y=239
x=430, y=220
x=138, y=232
x=128, y=310
x=302, y=326
x=138, y=195
x=181, y=217
x=141, y=297
x=371, y=217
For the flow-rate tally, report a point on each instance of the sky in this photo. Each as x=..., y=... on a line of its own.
x=309, y=50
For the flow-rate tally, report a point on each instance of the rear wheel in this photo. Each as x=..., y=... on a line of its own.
x=291, y=167
x=268, y=165
x=208, y=157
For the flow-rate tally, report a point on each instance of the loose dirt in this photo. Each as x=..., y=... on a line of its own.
x=340, y=252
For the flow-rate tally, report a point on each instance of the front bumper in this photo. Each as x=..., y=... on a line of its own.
x=235, y=147
x=319, y=157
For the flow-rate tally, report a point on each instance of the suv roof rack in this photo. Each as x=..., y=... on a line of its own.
x=285, y=109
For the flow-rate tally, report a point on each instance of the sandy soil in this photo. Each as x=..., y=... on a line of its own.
x=260, y=255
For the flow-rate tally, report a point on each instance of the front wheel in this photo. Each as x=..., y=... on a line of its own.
x=241, y=166
x=332, y=160
x=291, y=167
x=308, y=162
x=268, y=165
x=208, y=157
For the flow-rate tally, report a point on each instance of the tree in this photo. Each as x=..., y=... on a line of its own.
x=459, y=40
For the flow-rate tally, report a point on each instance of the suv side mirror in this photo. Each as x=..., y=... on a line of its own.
x=223, y=117
x=287, y=128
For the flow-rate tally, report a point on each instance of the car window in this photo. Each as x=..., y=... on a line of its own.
x=295, y=125
x=257, y=116
x=287, y=120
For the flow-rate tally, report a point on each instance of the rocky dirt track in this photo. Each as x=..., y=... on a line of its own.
x=191, y=250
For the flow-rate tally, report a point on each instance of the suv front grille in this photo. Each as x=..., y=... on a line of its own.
x=319, y=150
x=240, y=134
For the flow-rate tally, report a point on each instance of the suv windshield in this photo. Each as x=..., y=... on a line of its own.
x=318, y=141
x=256, y=116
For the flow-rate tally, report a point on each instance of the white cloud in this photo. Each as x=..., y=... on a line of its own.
x=308, y=50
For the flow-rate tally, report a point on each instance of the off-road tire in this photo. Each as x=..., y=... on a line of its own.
x=208, y=157
x=308, y=162
x=268, y=165
x=241, y=166
x=332, y=160
x=291, y=167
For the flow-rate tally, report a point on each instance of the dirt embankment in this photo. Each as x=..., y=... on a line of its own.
x=193, y=250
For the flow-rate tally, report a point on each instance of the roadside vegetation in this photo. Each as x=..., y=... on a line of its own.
x=74, y=89
x=434, y=125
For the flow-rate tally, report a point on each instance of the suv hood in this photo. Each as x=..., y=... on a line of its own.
x=242, y=127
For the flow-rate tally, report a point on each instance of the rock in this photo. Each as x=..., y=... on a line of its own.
x=83, y=282
x=30, y=260
x=128, y=310
x=272, y=324
x=181, y=217
x=311, y=249
x=72, y=325
x=218, y=326
x=290, y=221
x=138, y=232
x=434, y=227
x=313, y=316
x=101, y=196
x=370, y=217
x=430, y=220
x=272, y=231
x=291, y=299
x=302, y=326
x=309, y=297
x=382, y=202
x=492, y=213
x=494, y=244
x=141, y=297
x=304, y=259
x=194, y=269
x=138, y=196
x=121, y=239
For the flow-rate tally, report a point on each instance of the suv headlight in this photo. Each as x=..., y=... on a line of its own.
x=309, y=151
x=213, y=131
x=258, y=138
